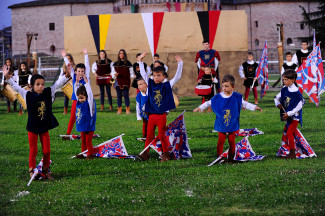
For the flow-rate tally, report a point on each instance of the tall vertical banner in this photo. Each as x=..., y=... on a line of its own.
x=209, y=23
x=262, y=73
x=99, y=27
x=152, y=23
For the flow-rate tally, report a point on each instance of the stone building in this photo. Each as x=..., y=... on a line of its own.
x=46, y=18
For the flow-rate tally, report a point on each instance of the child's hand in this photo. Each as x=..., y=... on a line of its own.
x=140, y=57
x=63, y=53
x=5, y=72
x=285, y=116
x=198, y=109
x=255, y=78
x=258, y=108
x=85, y=78
x=85, y=51
x=244, y=78
x=178, y=58
x=199, y=81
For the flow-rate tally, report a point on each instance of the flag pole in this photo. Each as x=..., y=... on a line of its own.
x=215, y=161
x=97, y=146
x=144, y=149
x=32, y=178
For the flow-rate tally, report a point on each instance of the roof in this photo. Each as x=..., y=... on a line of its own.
x=56, y=2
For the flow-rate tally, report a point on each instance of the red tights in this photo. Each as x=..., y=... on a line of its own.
x=160, y=121
x=45, y=142
x=72, y=117
x=292, y=129
x=221, y=141
x=144, y=128
x=87, y=142
x=247, y=92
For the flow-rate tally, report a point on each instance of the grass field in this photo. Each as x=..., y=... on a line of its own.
x=184, y=187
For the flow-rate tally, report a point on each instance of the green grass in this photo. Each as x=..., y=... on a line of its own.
x=184, y=187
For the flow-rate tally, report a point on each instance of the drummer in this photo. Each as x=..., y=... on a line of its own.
x=23, y=80
x=208, y=79
x=13, y=72
x=102, y=69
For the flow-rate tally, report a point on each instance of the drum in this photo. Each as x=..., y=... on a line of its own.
x=203, y=90
x=9, y=93
x=103, y=80
x=21, y=100
x=176, y=100
x=68, y=89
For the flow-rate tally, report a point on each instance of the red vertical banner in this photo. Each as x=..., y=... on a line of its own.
x=177, y=6
x=213, y=25
x=157, y=23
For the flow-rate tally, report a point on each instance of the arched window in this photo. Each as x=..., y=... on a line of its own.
x=289, y=41
x=257, y=42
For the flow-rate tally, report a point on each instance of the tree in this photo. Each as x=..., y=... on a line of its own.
x=316, y=21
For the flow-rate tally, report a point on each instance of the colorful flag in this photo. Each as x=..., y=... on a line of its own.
x=249, y=132
x=38, y=174
x=310, y=75
x=243, y=152
x=113, y=148
x=177, y=140
x=262, y=73
x=303, y=149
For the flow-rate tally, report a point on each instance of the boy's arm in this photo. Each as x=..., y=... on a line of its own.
x=90, y=98
x=143, y=72
x=138, y=111
x=249, y=106
x=178, y=72
x=282, y=70
x=19, y=89
x=216, y=63
x=199, y=63
x=148, y=70
x=131, y=72
x=295, y=59
x=203, y=106
x=296, y=109
x=166, y=68
x=241, y=71
x=277, y=99
x=87, y=72
x=94, y=68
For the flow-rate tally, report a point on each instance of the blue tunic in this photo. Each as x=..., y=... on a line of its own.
x=142, y=101
x=40, y=116
x=84, y=121
x=289, y=101
x=207, y=56
x=160, y=98
x=227, y=112
x=76, y=86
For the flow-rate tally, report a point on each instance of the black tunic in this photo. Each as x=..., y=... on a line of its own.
x=250, y=73
x=301, y=57
x=136, y=71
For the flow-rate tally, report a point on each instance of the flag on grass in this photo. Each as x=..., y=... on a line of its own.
x=249, y=132
x=303, y=149
x=262, y=73
x=177, y=139
x=310, y=75
x=38, y=174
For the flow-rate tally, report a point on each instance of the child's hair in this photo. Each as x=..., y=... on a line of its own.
x=288, y=53
x=159, y=69
x=82, y=91
x=156, y=55
x=36, y=77
x=138, y=54
x=9, y=60
x=80, y=65
x=159, y=62
x=290, y=74
x=229, y=78
x=250, y=53
x=205, y=41
x=304, y=41
x=65, y=68
x=125, y=56
x=140, y=79
x=20, y=70
x=106, y=60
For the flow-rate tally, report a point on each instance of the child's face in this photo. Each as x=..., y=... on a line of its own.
x=102, y=55
x=206, y=46
x=23, y=67
x=38, y=86
x=304, y=46
x=80, y=72
x=288, y=82
x=121, y=54
x=142, y=86
x=82, y=98
x=250, y=57
x=207, y=70
x=289, y=58
x=156, y=64
x=155, y=58
x=227, y=88
x=8, y=63
x=158, y=77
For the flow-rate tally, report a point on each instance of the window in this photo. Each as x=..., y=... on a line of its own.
x=257, y=42
x=52, y=26
x=256, y=24
x=289, y=41
x=302, y=26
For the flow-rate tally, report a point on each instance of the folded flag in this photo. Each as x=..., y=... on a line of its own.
x=38, y=174
x=249, y=132
x=303, y=149
x=243, y=152
x=177, y=140
x=113, y=148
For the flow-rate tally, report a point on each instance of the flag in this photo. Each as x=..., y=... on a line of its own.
x=262, y=73
x=177, y=6
x=249, y=132
x=243, y=152
x=303, y=149
x=168, y=6
x=38, y=174
x=113, y=148
x=310, y=75
x=177, y=139
x=314, y=39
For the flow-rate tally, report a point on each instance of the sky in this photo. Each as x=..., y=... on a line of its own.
x=5, y=12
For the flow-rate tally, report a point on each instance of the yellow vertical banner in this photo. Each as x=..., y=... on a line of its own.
x=205, y=6
x=183, y=6
x=103, y=29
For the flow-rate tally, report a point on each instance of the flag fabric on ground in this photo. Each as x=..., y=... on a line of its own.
x=262, y=73
x=38, y=173
x=303, y=149
x=249, y=132
x=177, y=140
x=113, y=148
x=310, y=75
